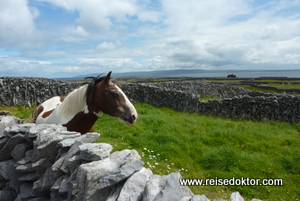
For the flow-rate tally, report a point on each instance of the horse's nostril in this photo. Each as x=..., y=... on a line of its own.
x=133, y=117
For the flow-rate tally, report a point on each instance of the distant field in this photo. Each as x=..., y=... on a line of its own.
x=280, y=83
x=208, y=147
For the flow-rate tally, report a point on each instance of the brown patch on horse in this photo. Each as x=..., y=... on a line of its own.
x=81, y=122
x=46, y=114
x=35, y=114
x=39, y=110
x=62, y=98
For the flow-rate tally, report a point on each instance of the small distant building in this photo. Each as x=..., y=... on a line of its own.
x=231, y=76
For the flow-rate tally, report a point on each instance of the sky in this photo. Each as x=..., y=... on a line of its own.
x=66, y=38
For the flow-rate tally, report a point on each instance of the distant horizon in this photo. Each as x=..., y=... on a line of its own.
x=185, y=73
x=174, y=73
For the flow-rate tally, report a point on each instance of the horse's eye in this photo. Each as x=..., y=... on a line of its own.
x=115, y=95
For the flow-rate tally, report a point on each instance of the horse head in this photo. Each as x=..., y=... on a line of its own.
x=105, y=95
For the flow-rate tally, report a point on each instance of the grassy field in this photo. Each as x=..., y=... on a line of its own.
x=208, y=147
x=280, y=84
x=287, y=84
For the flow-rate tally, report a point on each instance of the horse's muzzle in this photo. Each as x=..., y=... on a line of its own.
x=130, y=119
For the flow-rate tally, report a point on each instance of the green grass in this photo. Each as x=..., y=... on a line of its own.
x=165, y=79
x=288, y=84
x=224, y=80
x=285, y=86
x=208, y=147
x=18, y=111
x=258, y=89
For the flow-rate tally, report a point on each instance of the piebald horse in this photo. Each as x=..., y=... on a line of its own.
x=80, y=109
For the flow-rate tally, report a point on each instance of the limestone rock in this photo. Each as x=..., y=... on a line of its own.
x=198, y=198
x=6, y=122
x=134, y=186
x=25, y=168
x=74, y=163
x=5, y=152
x=120, y=174
x=236, y=196
x=89, y=174
x=165, y=188
x=153, y=187
x=87, y=138
x=4, y=112
x=19, y=150
x=36, y=129
x=94, y=151
x=30, y=176
x=25, y=191
x=46, y=142
x=3, y=140
x=65, y=167
x=5, y=168
x=19, y=128
x=26, y=158
x=7, y=195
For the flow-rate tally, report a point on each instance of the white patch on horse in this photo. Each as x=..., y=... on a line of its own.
x=86, y=109
x=128, y=103
x=48, y=105
x=51, y=104
x=74, y=103
x=110, y=83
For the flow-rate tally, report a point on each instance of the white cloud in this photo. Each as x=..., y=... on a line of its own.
x=22, y=67
x=79, y=30
x=128, y=35
x=104, y=14
x=197, y=17
x=108, y=45
x=220, y=33
x=17, y=24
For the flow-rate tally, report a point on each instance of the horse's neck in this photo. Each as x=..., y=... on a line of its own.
x=74, y=102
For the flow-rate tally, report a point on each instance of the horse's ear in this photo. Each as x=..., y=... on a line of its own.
x=107, y=78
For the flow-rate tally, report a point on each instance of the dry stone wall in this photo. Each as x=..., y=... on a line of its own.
x=28, y=90
x=263, y=108
x=236, y=102
x=47, y=162
x=162, y=96
x=203, y=89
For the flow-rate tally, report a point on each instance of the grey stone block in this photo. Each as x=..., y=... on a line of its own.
x=5, y=152
x=95, y=151
x=134, y=186
x=19, y=150
x=7, y=195
x=120, y=174
x=236, y=196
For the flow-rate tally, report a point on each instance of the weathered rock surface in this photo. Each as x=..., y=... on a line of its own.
x=165, y=187
x=236, y=196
